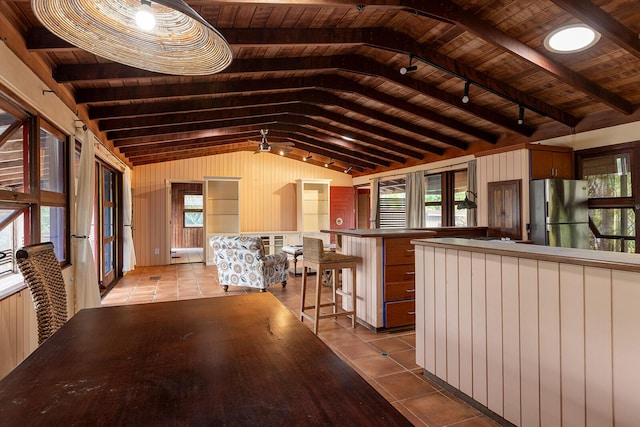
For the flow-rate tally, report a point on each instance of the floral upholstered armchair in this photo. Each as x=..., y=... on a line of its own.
x=241, y=261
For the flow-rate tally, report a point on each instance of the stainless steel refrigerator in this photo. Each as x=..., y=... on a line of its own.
x=558, y=213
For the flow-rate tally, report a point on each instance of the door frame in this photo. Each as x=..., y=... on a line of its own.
x=166, y=259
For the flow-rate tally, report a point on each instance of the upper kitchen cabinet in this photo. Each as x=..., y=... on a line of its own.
x=551, y=162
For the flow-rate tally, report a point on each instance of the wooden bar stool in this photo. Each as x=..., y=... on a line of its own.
x=315, y=257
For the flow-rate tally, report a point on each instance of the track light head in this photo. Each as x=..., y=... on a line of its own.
x=521, y=115
x=465, y=97
x=309, y=156
x=347, y=170
x=410, y=68
x=326, y=165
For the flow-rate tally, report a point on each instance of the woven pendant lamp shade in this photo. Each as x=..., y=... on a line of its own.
x=182, y=42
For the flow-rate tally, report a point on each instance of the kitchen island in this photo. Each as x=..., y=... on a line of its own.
x=538, y=335
x=386, y=271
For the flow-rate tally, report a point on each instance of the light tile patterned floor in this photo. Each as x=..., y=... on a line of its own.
x=385, y=360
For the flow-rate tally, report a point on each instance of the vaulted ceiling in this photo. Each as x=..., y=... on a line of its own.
x=313, y=72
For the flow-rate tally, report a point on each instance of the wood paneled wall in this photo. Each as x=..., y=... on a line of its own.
x=18, y=330
x=267, y=193
x=510, y=165
x=540, y=343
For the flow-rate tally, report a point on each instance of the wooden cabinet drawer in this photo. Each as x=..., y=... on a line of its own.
x=399, y=273
x=400, y=313
x=399, y=291
x=398, y=251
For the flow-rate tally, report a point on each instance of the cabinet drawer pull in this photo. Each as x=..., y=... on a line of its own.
x=411, y=273
x=411, y=313
x=410, y=250
x=410, y=290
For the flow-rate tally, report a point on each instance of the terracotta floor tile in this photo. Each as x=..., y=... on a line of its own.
x=376, y=366
x=356, y=349
x=438, y=410
x=480, y=421
x=405, y=385
x=406, y=358
x=390, y=344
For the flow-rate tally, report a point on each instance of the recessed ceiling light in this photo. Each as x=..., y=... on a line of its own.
x=571, y=39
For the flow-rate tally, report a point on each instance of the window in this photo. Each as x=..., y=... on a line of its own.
x=192, y=210
x=53, y=209
x=32, y=156
x=392, y=204
x=443, y=193
x=612, y=202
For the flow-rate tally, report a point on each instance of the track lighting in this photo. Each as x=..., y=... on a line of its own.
x=521, y=115
x=410, y=68
x=347, y=170
x=465, y=97
x=326, y=165
x=309, y=156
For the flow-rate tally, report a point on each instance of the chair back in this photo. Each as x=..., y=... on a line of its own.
x=312, y=249
x=247, y=243
x=41, y=271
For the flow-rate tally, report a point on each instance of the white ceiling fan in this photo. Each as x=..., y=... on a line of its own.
x=265, y=147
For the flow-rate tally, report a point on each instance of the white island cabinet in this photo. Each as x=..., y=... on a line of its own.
x=541, y=336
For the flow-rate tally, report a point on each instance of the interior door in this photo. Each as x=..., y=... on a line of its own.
x=341, y=211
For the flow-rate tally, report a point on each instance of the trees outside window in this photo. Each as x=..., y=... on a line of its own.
x=613, y=196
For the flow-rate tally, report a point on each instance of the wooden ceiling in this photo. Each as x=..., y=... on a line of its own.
x=315, y=71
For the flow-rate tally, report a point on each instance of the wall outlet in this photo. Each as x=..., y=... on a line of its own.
x=157, y=251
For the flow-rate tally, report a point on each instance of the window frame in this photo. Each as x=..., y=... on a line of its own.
x=31, y=199
x=628, y=202
x=185, y=210
x=448, y=204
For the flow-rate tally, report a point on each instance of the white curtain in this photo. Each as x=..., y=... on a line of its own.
x=472, y=185
x=375, y=196
x=128, y=251
x=414, y=190
x=85, y=277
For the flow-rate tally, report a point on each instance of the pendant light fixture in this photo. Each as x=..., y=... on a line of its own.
x=163, y=36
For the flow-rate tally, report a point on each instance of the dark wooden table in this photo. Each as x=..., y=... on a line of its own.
x=239, y=360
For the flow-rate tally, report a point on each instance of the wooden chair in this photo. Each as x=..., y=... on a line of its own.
x=41, y=271
x=314, y=256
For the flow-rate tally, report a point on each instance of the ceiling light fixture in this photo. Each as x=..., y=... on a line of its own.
x=144, y=16
x=521, y=115
x=347, y=170
x=180, y=43
x=309, y=156
x=465, y=96
x=571, y=39
x=348, y=138
x=410, y=68
x=326, y=165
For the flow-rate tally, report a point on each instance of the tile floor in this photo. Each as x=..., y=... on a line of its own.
x=186, y=255
x=385, y=360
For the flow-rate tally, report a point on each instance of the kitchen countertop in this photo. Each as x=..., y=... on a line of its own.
x=591, y=258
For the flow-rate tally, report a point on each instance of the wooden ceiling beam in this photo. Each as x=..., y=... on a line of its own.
x=119, y=136
x=446, y=9
x=291, y=108
x=334, y=82
x=116, y=113
x=190, y=135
